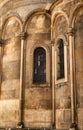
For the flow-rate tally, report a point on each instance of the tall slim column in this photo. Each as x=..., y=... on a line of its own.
x=21, y=76
x=53, y=84
x=1, y=55
x=72, y=75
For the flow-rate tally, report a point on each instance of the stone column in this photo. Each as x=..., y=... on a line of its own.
x=22, y=36
x=53, y=84
x=1, y=55
x=72, y=75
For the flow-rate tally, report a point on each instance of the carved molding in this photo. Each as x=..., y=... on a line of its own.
x=1, y=42
x=52, y=42
x=70, y=31
x=23, y=35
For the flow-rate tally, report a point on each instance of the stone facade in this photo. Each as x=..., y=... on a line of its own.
x=24, y=26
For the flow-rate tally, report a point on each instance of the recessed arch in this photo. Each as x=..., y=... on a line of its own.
x=56, y=48
x=32, y=14
x=55, y=4
x=7, y=20
x=58, y=14
x=55, y=20
x=64, y=38
x=75, y=12
x=31, y=55
x=46, y=48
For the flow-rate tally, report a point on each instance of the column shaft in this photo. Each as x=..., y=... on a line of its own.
x=72, y=73
x=53, y=84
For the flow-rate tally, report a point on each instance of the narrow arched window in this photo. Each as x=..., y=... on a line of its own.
x=39, y=68
x=60, y=60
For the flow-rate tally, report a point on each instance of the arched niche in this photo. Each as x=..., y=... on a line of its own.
x=38, y=23
x=38, y=26
x=11, y=57
x=60, y=24
x=11, y=28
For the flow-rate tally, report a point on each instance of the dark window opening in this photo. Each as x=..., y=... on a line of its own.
x=60, y=60
x=39, y=69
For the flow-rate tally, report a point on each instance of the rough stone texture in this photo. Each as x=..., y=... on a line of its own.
x=62, y=28
x=9, y=112
x=42, y=98
x=79, y=66
x=63, y=118
x=80, y=118
x=32, y=118
x=43, y=21
x=38, y=29
x=10, y=69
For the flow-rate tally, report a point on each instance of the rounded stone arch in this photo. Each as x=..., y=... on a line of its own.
x=57, y=15
x=55, y=4
x=74, y=14
x=44, y=46
x=47, y=50
x=65, y=44
x=32, y=14
x=7, y=20
x=64, y=38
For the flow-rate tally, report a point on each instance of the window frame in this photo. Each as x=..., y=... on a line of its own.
x=36, y=67
x=48, y=69
x=60, y=73
x=64, y=79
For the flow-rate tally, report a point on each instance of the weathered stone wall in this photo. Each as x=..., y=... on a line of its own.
x=61, y=18
x=10, y=74
x=62, y=89
x=9, y=110
x=37, y=97
x=79, y=65
x=41, y=26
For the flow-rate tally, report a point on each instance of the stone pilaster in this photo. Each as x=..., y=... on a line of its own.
x=72, y=76
x=23, y=36
x=53, y=83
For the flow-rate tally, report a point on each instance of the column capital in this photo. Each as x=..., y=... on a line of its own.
x=47, y=11
x=52, y=42
x=70, y=31
x=23, y=35
x=1, y=41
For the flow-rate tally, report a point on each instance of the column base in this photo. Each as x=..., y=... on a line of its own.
x=20, y=124
x=73, y=126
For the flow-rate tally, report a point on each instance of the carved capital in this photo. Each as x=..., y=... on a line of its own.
x=47, y=11
x=52, y=42
x=70, y=31
x=23, y=35
x=1, y=42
